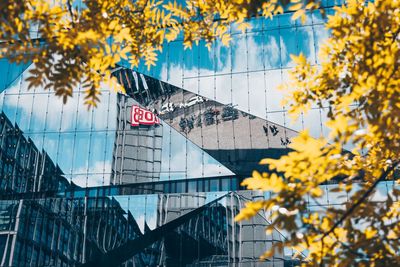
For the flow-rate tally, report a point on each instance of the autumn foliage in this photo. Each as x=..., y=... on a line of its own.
x=359, y=80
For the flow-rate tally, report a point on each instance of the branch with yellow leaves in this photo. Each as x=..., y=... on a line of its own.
x=383, y=177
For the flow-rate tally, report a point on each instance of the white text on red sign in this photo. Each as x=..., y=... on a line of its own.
x=141, y=116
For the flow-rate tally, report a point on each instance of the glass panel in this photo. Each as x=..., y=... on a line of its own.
x=223, y=89
x=335, y=198
x=208, y=121
x=306, y=43
x=257, y=94
x=317, y=17
x=272, y=49
x=240, y=91
x=112, y=112
x=255, y=57
x=257, y=24
x=285, y=20
x=312, y=122
x=2, y=100
x=55, y=110
x=178, y=162
x=195, y=166
x=207, y=87
x=65, y=152
x=97, y=153
x=81, y=152
x=151, y=211
x=191, y=84
x=324, y=119
x=69, y=113
x=160, y=70
x=320, y=35
x=242, y=133
x=175, y=59
x=271, y=23
x=39, y=112
x=191, y=62
x=274, y=96
x=296, y=125
x=23, y=114
x=100, y=115
x=222, y=58
x=11, y=100
x=51, y=145
x=225, y=129
x=166, y=152
x=239, y=53
x=288, y=46
x=206, y=59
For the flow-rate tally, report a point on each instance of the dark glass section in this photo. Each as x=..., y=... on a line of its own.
x=167, y=229
x=23, y=168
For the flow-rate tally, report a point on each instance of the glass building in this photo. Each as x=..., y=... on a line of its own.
x=94, y=188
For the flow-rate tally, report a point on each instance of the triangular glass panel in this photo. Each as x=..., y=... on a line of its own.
x=10, y=72
x=181, y=158
x=234, y=138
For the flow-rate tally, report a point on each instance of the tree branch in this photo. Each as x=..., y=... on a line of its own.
x=360, y=200
x=321, y=264
x=69, y=6
x=352, y=251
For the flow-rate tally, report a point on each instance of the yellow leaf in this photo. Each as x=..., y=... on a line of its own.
x=268, y=254
x=225, y=39
x=325, y=225
x=392, y=235
x=370, y=232
x=250, y=209
x=316, y=192
x=298, y=13
x=300, y=59
x=295, y=7
x=113, y=24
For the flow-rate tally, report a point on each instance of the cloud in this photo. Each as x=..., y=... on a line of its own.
x=271, y=48
x=99, y=175
x=150, y=220
x=41, y=110
x=198, y=164
x=142, y=207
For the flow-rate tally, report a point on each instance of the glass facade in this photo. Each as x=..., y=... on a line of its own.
x=220, y=110
x=88, y=187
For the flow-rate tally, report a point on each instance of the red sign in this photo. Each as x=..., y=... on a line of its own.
x=142, y=116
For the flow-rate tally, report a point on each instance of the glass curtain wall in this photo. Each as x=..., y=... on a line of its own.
x=214, y=106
